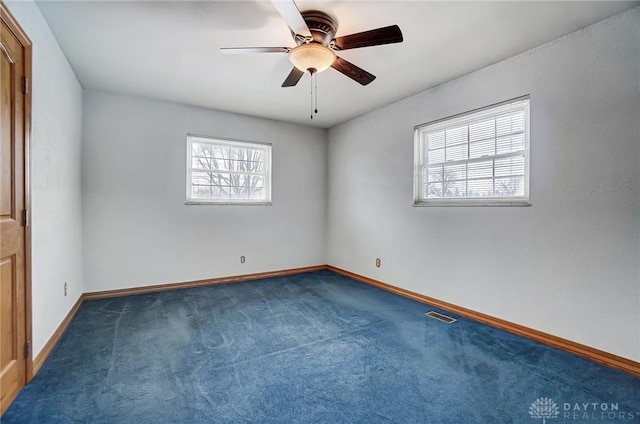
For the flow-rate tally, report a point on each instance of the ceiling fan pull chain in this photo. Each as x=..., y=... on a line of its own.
x=311, y=99
x=316, y=110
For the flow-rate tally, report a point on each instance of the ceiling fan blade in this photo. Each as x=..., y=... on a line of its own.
x=352, y=71
x=374, y=37
x=293, y=77
x=292, y=16
x=243, y=50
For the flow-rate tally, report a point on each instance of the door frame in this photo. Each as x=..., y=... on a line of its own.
x=24, y=40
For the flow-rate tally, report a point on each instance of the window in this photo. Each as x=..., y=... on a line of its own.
x=477, y=158
x=224, y=171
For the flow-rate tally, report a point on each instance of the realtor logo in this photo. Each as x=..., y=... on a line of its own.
x=544, y=408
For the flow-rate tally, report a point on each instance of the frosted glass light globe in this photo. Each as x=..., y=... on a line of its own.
x=312, y=57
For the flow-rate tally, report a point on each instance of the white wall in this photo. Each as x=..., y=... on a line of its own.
x=569, y=264
x=137, y=228
x=55, y=177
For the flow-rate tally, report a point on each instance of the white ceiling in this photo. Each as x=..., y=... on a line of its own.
x=170, y=50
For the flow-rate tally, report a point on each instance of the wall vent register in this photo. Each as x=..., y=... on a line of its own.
x=440, y=317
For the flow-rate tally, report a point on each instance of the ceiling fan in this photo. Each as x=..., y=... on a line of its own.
x=314, y=33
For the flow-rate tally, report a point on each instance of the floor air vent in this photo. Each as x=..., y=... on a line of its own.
x=441, y=317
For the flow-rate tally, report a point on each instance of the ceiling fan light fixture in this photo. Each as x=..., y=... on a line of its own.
x=312, y=57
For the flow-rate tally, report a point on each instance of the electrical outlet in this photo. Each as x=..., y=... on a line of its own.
x=242, y=259
x=65, y=289
x=378, y=262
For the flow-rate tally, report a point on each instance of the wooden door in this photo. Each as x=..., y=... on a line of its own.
x=14, y=122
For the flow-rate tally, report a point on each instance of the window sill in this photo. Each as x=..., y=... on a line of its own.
x=189, y=203
x=458, y=202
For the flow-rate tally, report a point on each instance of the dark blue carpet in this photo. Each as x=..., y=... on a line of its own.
x=308, y=348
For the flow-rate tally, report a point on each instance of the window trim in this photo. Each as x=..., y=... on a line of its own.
x=468, y=117
x=230, y=142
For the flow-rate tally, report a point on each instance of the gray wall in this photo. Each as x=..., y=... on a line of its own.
x=56, y=224
x=137, y=228
x=569, y=264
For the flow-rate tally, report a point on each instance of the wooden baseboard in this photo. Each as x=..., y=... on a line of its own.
x=575, y=348
x=200, y=283
x=55, y=338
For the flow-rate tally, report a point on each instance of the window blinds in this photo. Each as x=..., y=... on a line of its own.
x=478, y=155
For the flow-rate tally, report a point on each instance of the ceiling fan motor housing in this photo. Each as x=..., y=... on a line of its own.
x=322, y=27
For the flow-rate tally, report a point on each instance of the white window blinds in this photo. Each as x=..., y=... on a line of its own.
x=478, y=157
